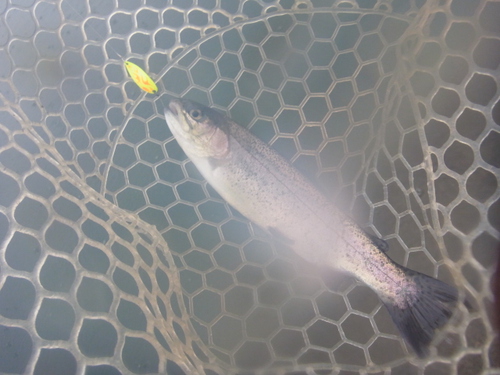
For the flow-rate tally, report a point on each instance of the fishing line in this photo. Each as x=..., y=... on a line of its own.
x=138, y=75
x=141, y=74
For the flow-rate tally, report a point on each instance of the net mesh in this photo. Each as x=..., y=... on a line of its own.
x=117, y=257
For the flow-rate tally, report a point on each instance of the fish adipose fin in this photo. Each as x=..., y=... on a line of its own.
x=423, y=311
x=379, y=242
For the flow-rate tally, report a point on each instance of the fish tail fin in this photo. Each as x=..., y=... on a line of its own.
x=426, y=308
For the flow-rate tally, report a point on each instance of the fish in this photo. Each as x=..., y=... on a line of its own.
x=264, y=187
x=141, y=78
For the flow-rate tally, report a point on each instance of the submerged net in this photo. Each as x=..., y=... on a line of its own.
x=117, y=257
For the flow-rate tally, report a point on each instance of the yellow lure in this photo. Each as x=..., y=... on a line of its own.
x=141, y=78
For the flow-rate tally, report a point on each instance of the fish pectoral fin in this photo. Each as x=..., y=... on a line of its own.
x=382, y=245
x=277, y=234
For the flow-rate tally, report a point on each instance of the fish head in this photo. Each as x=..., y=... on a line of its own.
x=201, y=131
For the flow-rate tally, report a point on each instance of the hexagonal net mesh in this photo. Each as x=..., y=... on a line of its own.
x=117, y=257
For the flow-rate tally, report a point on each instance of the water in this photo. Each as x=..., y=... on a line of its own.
x=175, y=275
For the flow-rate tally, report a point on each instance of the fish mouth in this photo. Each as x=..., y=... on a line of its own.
x=175, y=106
x=175, y=113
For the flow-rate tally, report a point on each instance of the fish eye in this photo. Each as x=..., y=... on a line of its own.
x=196, y=114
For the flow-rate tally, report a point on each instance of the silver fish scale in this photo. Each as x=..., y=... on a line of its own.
x=116, y=257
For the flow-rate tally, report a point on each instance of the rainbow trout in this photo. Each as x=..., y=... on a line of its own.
x=269, y=191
